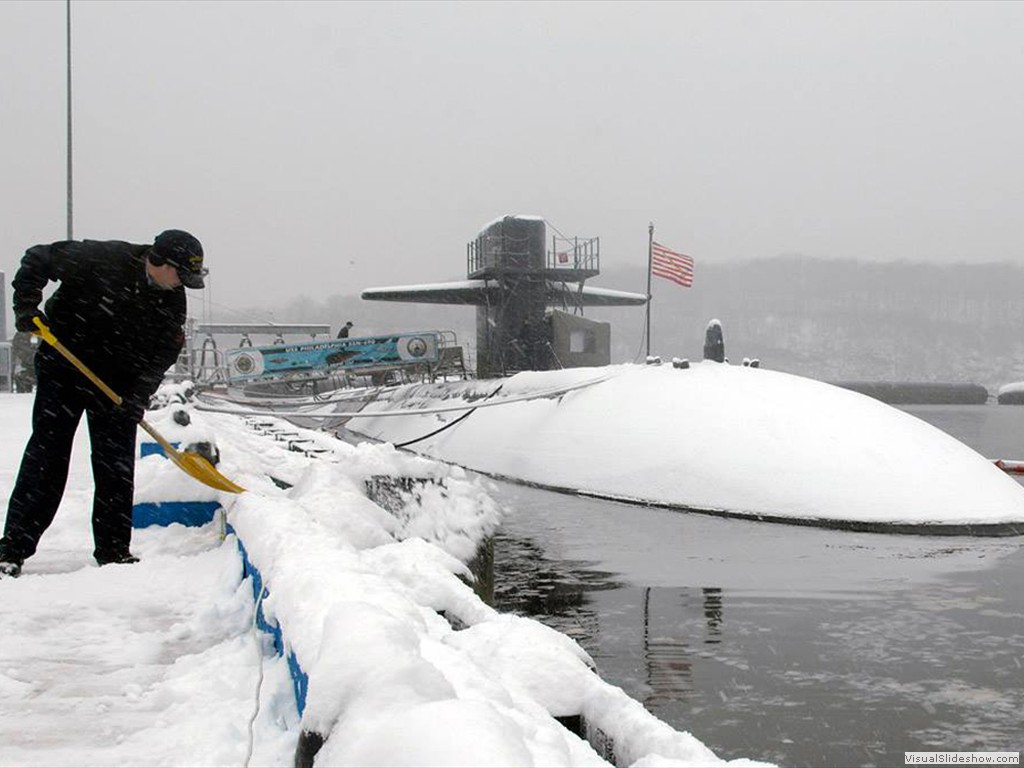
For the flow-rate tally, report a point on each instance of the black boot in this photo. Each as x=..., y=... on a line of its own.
x=125, y=559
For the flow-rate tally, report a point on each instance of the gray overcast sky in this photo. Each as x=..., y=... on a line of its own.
x=320, y=148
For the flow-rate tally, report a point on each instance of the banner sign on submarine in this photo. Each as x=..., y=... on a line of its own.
x=248, y=363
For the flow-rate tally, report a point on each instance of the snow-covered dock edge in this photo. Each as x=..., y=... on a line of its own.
x=360, y=604
x=536, y=665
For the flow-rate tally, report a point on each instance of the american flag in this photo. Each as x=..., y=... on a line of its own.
x=677, y=267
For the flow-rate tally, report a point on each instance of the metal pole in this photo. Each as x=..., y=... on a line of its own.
x=3, y=310
x=650, y=250
x=71, y=233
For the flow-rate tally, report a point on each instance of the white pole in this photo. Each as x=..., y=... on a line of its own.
x=650, y=251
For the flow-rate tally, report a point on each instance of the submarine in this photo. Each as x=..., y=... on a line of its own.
x=547, y=408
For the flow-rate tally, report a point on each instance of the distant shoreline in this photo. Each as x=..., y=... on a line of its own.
x=919, y=393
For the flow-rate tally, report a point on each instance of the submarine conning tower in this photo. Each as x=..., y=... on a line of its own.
x=513, y=277
x=513, y=333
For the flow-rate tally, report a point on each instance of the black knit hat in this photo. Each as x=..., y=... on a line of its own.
x=185, y=252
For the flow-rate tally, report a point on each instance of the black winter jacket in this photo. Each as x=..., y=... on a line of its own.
x=105, y=310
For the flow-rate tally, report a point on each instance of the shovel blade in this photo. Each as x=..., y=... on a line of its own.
x=202, y=470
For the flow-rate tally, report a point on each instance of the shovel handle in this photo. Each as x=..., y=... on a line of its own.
x=168, y=448
x=46, y=334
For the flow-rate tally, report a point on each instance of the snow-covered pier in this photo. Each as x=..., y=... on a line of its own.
x=354, y=638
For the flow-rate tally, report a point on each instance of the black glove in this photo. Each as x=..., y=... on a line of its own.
x=25, y=321
x=135, y=407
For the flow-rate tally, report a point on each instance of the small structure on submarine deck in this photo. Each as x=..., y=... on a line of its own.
x=529, y=300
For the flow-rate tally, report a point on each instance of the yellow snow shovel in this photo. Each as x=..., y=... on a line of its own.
x=190, y=462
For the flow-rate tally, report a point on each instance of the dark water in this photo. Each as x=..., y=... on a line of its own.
x=792, y=645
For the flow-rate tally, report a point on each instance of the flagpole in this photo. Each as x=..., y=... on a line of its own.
x=650, y=249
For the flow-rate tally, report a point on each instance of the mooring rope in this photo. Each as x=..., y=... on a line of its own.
x=449, y=425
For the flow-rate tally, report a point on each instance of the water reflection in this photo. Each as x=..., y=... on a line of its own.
x=668, y=658
x=713, y=613
x=806, y=680
x=530, y=583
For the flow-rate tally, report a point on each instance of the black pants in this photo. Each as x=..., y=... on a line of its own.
x=62, y=395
